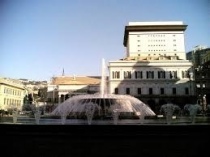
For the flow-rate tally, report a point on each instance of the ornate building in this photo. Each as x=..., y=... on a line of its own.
x=155, y=68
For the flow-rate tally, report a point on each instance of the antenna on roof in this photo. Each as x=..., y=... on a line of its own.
x=63, y=72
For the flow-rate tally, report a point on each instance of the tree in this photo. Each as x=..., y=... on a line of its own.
x=30, y=98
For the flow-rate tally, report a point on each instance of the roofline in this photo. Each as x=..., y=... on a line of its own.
x=150, y=28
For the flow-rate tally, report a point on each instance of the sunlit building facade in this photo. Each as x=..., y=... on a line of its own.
x=155, y=68
x=61, y=88
x=12, y=94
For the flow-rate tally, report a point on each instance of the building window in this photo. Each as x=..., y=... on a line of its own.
x=138, y=74
x=150, y=91
x=150, y=74
x=139, y=91
x=173, y=74
x=116, y=91
x=127, y=74
x=115, y=74
x=174, y=91
x=187, y=91
x=185, y=74
x=162, y=91
x=127, y=90
x=161, y=74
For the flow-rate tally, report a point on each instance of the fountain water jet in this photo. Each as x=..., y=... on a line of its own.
x=102, y=104
x=168, y=111
x=15, y=116
x=37, y=116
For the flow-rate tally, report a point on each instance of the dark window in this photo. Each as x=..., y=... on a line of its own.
x=127, y=74
x=138, y=74
x=173, y=74
x=139, y=91
x=116, y=74
x=116, y=91
x=150, y=91
x=162, y=91
x=186, y=91
x=161, y=74
x=150, y=74
x=174, y=91
x=127, y=90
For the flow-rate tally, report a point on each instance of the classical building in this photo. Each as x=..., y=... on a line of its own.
x=12, y=93
x=62, y=87
x=155, y=68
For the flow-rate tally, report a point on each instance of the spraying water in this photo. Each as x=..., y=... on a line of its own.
x=102, y=104
x=103, y=87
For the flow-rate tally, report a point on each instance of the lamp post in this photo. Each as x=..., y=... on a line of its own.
x=201, y=85
x=191, y=78
x=204, y=103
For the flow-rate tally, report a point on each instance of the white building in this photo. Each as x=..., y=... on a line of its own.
x=155, y=68
x=62, y=87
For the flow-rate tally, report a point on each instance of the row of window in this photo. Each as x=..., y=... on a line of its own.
x=158, y=54
x=156, y=50
x=12, y=91
x=156, y=45
x=150, y=91
x=156, y=35
x=156, y=40
x=149, y=74
x=14, y=102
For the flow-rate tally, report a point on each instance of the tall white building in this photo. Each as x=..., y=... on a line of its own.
x=155, y=68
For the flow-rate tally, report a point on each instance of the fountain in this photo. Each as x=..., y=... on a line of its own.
x=63, y=119
x=14, y=116
x=37, y=116
x=168, y=110
x=102, y=104
x=193, y=110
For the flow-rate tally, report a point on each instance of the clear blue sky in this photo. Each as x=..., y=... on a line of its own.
x=38, y=38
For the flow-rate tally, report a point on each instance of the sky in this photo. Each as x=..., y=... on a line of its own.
x=40, y=38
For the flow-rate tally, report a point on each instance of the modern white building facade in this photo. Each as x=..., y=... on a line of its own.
x=155, y=68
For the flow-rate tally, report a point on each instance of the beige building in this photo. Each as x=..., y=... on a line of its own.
x=12, y=93
x=155, y=68
x=62, y=87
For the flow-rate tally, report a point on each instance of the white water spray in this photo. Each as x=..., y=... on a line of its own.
x=103, y=87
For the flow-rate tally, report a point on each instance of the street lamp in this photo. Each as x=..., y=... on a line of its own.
x=204, y=103
x=191, y=78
